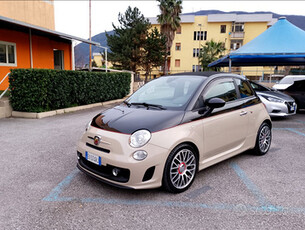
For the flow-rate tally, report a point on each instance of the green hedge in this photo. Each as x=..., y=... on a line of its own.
x=39, y=90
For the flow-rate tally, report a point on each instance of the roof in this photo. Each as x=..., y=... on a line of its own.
x=22, y=26
x=204, y=73
x=184, y=19
x=281, y=44
x=240, y=18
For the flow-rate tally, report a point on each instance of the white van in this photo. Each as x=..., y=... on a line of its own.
x=288, y=81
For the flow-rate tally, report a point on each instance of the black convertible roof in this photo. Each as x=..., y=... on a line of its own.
x=203, y=74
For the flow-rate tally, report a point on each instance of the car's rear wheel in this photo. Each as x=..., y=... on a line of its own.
x=180, y=169
x=263, y=140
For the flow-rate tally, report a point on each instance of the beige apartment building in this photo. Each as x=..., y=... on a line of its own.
x=38, y=12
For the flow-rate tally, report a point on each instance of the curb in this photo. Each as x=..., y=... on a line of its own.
x=18, y=114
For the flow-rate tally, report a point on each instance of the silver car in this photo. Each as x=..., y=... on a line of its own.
x=278, y=104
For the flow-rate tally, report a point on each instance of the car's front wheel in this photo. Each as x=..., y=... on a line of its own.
x=180, y=169
x=263, y=140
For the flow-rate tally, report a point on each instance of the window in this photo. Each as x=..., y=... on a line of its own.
x=224, y=90
x=238, y=27
x=7, y=54
x=178, y=46
x=178, y=31
x=197, y=68
x=58, y=59
x=177, y=63
x=196, y=52
x=244, y=88
x=200, y=35
x=236, y=44
x=223, y=29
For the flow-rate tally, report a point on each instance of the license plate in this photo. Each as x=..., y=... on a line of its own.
x=93, y=158
x=292, y=108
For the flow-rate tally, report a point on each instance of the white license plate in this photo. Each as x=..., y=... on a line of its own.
x=93, y=158
x=292, y=108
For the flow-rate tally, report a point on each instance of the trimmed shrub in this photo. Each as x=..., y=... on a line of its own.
x=39, y=90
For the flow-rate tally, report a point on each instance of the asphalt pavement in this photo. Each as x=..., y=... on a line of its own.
x=41, y=188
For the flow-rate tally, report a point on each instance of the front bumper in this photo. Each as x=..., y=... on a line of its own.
x=115, y=152
x=276, y=109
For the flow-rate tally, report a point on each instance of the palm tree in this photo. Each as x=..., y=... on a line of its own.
x=210, y=52
x=169, y=21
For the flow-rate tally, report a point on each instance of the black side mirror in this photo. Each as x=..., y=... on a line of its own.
x=216, y=103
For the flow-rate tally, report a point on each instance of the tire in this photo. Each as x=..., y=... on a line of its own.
x=263, y=140
x=180, y=169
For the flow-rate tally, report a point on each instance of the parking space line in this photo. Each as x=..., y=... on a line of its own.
x=265, y=206
x=54, y=194
x=250, y=186
x=295, y=131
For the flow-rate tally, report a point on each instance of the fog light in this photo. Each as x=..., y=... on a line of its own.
x=139, y=155
x=115, y=171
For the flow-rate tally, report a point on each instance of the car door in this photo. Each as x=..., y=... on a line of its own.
x=225, y=129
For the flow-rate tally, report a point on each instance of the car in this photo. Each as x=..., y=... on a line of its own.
x=173, y=127
x=278, y=104
x=297, y=91
x=287, y=81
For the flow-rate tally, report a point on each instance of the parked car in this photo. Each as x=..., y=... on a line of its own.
x=278, y=104
x=297, y=91
x=287, y=81
x=173, y=127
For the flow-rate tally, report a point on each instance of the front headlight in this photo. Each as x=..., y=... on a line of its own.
x=273, y=99
x=139, y=138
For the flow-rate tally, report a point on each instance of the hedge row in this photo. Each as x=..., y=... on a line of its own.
x=39, y=90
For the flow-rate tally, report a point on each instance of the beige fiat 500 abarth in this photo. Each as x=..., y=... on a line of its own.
x=173, y=127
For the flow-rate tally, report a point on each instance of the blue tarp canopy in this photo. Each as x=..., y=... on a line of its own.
x=281, y=45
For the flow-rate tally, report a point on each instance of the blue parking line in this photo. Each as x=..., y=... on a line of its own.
x=54, y=194
x=264, y=208
x=295, y=131
x=251, y=186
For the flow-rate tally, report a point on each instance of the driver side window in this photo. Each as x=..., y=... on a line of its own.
x=221, y=89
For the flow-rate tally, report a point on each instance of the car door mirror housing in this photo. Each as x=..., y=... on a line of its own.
x=216, y=103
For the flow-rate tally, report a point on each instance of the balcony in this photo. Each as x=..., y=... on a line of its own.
x=237, y=35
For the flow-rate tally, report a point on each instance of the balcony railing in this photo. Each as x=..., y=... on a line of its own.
x=237, y=34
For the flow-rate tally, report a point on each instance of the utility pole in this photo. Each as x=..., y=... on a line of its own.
x=90, y=46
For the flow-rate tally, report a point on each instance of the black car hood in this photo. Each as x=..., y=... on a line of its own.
x=127, y=120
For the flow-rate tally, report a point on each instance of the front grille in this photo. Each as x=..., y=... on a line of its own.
x=105, y=171
x=290, y=106
x=98, y=148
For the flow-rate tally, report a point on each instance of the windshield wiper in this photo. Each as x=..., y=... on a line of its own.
x=127, y=103
x=148, y=105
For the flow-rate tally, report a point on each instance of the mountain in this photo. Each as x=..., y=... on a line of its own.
x=82, y=50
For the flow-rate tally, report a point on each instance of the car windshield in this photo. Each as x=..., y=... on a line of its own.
x=167, y=92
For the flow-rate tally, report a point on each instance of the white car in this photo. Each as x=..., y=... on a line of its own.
x=288, y=81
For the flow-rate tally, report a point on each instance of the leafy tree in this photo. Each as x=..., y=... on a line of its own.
x=154, y=51
x=127, y=42
x=210, y=52
x=94, y=63
x=170, y=21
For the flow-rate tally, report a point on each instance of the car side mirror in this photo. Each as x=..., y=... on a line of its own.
x=216, y=103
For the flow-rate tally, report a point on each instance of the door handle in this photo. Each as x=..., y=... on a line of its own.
x=242, y=113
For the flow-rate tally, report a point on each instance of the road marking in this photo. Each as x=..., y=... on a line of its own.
x=295, y=131
x=54, y=194
x=264, y=208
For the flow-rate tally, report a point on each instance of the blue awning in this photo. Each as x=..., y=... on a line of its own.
x=281, y=44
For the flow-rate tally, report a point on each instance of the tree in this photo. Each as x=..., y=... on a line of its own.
x=127, y=42
x=169, y=21
x=154, y=51
x=94, y=63
x=210, y=52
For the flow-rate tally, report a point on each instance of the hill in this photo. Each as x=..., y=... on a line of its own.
x=82, y=50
